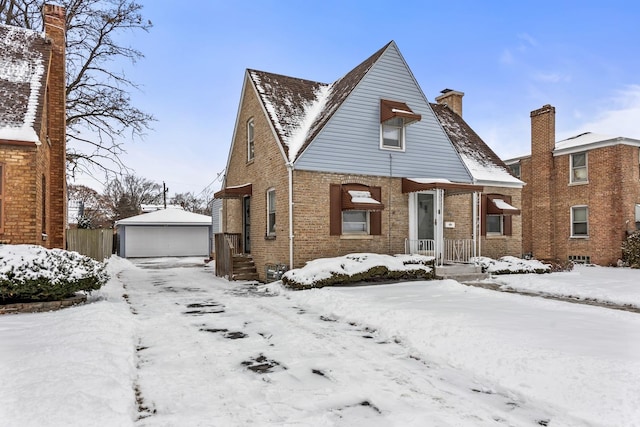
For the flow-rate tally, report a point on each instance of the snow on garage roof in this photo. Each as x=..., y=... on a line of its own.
x=169, y=216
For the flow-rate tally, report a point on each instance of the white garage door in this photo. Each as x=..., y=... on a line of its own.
x=162, y=241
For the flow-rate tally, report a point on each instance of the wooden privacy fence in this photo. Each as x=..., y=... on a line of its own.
x=97, y=244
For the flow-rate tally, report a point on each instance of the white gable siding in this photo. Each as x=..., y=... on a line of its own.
x=350, y=142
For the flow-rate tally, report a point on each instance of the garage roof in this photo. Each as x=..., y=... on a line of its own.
x=170, y=216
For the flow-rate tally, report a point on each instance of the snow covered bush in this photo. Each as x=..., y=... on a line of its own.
x=631, y=250
x=511, y=265
x=34, y=273
x=363, y=267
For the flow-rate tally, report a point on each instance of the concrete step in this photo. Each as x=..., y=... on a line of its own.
x=461, y=272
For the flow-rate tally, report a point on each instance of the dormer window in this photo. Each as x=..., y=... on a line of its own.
x=250, y=141
x=393, y=134
x=394, y=117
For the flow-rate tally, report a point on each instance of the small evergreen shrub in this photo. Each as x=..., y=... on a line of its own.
x=511, y=265
x=30, y=273
x=631, y=250
x=360, y=268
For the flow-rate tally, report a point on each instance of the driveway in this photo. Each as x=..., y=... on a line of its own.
x=211, y=352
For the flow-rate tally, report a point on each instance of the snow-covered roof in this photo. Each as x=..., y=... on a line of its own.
x=170, y=216
x=298, y=108
x=481, y=161
x=590, y=140
x=23, y=61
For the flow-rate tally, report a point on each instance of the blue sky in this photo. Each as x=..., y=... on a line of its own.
x=509, y=58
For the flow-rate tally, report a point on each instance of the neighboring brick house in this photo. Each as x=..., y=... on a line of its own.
x=582, y=195
x=33, y=133
x=360, y=165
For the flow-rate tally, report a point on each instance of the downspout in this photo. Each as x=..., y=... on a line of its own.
x=290, y=168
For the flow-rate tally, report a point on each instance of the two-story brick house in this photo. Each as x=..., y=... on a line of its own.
x=360, y=165
x=33, y=133
x=582, y=196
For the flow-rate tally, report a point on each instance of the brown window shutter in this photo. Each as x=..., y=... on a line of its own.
x=483, y=215
x=335, y=209
x=508, y=226
x=375, y=217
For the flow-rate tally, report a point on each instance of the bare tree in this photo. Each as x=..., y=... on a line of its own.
x=100, y=113
x=124, y=197
x=91, y=212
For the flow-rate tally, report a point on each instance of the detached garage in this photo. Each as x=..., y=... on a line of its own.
x=164, y=233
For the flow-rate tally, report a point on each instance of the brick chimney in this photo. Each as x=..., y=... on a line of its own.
x=55, y=31
x=452, y=98
x=542, y=185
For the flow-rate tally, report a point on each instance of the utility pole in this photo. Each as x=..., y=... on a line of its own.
x=164, y=194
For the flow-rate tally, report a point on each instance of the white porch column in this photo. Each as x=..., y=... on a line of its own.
x=439, y=226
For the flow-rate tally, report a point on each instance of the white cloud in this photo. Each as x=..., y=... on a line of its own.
x=619, y=116
x=528, y=39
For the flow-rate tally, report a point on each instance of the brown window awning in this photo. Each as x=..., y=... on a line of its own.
x=392, y=109
x=360, y=198
x=411, y=185
x=235, y=192
x=499, y=206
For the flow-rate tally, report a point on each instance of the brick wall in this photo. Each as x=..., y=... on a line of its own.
x=459, y=208
x=266, y=171
x=311, y=214
x=20, y=191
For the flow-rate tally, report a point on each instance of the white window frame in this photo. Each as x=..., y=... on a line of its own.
x=573, y=233
x=251, y=135
x=271, y=210
x=496, y=233
x=401, y=134
x=357, y=232
x=637, y=216
x=573, y=168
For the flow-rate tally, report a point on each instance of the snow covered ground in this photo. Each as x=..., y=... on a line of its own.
x=166, y=343
x=603, y=284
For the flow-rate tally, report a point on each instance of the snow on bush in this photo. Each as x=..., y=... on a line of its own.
x=34, y=273
x=511, y=265
x=360, y=267
x=631, y=250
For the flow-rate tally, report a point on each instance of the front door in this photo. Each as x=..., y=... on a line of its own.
x=425, y=205
x=246, y=224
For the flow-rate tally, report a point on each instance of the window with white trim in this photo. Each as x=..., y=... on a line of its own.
x=393, y=134
x=579, y=167
x=271, y=212
x=638, y=216
x=495, y=225
x=579, y=221
x=250, y=140
x=355, y=222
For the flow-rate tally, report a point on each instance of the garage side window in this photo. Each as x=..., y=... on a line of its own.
x=271, y=212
